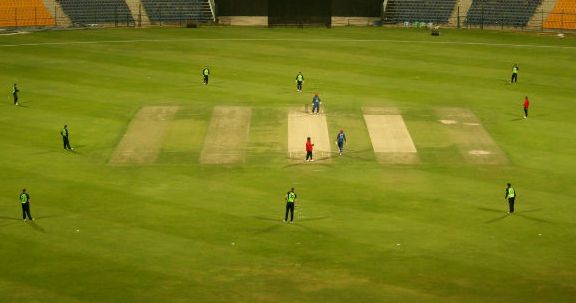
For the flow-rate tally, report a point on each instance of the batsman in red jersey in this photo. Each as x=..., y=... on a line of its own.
x=526, y=105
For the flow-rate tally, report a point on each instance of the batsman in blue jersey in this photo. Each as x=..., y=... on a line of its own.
x=341, y=140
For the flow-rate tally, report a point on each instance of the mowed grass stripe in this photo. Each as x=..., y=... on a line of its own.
x=143, y=140
x=465, y=130
x=390, y=138
x=227, y=135
x=185, y=136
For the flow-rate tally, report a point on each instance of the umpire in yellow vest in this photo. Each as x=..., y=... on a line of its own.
x=510, y=196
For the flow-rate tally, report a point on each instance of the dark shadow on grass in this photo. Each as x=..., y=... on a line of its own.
x=318, y=163
x=37, y=227
x=310, y=229
x=269, y=228
x=314, y=218
x=490, y=209
x=47, y=217
x=8, y=218
x=531, y=218
x=497, y=219
x=8, y=224
x=44, y=152
x=517, y=214
x=268, y=219
x=529, y=210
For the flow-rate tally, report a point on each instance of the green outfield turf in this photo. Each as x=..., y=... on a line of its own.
x=179, y=225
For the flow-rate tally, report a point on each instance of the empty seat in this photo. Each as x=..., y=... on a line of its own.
x=24, y=13
x=563, y=16
x=97, y=11
x=515, y=13
x=435, y=11
x=178, y=10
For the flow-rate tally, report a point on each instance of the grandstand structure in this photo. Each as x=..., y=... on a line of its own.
x=550, y=15
x=434, y=11
x=515, y=13
x=563, y=16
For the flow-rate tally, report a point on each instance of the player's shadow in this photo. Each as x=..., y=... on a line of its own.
x=317, y=162
x=8, y=218
x=492, y=210
x=517, y=214
x=305, y=219
x=267, y=219
x=37, y=227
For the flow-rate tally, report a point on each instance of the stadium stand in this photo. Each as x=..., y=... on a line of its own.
x=563, y=16
x=435, y=11
x=85, y=12
x=515, y=13
x=178, y=10
x=14, y=13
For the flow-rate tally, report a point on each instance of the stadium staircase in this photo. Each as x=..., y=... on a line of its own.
x=97, y=12
x=563, y=16
x=171, y=11
x=514, y=13
x=461, y=9
x=16, y=13
x=541, y=14
x=435, y=11
x=138, y=12
x=58, y=14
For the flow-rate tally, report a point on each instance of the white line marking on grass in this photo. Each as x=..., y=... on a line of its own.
x=291, y=40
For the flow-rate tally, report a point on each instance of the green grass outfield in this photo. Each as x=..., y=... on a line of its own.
x=432, y=232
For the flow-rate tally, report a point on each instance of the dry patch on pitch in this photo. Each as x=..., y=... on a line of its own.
x=142, y=141
x=390, y=137
x=227, y=135
x=302, y=125
x=473, y=141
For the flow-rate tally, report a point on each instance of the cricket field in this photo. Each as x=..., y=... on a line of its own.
x=175, y=190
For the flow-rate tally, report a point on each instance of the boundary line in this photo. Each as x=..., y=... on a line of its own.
x=292, y=40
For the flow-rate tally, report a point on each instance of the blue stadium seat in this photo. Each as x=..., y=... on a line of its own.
x=435, y=11
x=501, y=12
x=83, y=12
x=178, y=10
